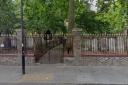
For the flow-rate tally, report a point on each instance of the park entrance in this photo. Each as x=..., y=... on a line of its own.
x=46, y=48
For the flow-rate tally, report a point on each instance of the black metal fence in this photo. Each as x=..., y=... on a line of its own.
x=105, y=45
x=8, y=45
x=55, y=50
x=43, y=51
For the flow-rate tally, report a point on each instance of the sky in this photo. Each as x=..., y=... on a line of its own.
x=93, y=5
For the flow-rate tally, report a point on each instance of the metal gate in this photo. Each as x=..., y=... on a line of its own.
x=46, y=48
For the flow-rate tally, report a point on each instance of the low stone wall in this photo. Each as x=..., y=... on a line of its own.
x=98, y=61
x=14, y=60
x=83, y=61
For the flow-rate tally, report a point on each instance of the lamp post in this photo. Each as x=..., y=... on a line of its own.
x=23, y=46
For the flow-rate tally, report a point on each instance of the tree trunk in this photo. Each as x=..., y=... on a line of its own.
x=71, y=16
x=38, y=46
x=71, y=23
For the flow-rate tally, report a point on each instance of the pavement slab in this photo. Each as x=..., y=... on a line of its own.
x=62, y=74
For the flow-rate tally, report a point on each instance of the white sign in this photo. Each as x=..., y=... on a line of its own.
x=2, y=45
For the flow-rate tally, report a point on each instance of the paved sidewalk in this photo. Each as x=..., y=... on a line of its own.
x=9, y=74
x=62, y=75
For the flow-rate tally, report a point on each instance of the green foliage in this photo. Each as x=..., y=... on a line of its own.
x=42, y=15
x=113, y=13
x=90, y=24
x=7, y=16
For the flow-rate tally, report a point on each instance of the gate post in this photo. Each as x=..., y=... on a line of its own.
x=76, y=45
x=19, y=45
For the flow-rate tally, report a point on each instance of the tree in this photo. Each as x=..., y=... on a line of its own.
x=43, y=15
x=7, y=16
x=7, y=20
x=113, y=13
x=90, y=24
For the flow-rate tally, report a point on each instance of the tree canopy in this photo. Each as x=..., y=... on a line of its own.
x=7, y=16
x=40, y=15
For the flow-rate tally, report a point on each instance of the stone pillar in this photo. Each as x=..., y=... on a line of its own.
x=76, y=45
x=19, y=46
